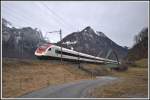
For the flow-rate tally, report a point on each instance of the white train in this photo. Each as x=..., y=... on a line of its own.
x=49, y=51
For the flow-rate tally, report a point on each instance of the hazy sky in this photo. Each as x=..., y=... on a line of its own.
x=120, y=21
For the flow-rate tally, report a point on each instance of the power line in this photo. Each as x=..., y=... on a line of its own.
x=64, y=21
x=39, y=18
x=30, y=22
x=17, y=18
x=60, y=21
x=22, y=19
x=25, y=18
x=27, y=21
x=44, y=13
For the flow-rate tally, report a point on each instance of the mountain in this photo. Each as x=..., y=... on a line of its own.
x=20, y=42
x=140, y=48
x=92, y=42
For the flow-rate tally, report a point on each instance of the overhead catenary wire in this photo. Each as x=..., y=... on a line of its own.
x=25, y=19
x=57, y=15
x=44, y=13
x=21, y=18
x=37, y=19
x=16, y=18
x=61, y=21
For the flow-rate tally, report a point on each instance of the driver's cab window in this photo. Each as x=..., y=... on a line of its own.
x=49, y=49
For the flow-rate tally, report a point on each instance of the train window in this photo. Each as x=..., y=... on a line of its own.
x=56, y=51
x=49, y=49
x=71, y=54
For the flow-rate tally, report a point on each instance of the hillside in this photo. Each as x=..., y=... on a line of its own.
x=133, y=83
x=92, y=42
x=140, y=48
x=24, y=41
x=20, y=42
x=23, y=76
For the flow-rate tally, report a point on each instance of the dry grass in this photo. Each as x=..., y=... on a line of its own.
x=97, y=69
x=133, y=83
x=22, y=76
x=142, y=63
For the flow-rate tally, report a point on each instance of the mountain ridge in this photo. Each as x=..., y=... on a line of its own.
x=140, y=48
x=24, y=41
x=20, y=42
x=92, y=42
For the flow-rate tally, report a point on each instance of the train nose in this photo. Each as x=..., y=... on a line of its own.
x=40, y=50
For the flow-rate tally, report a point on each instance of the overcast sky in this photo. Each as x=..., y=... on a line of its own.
x=120, y=21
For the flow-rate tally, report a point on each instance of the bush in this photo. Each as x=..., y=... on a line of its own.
x=122, y=67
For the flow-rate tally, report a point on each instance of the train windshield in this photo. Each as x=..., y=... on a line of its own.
x=45, y=46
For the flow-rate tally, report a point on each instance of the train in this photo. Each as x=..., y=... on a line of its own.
x=50, y=51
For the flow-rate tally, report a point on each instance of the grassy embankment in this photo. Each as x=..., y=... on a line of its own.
x=23, y=76
x=133, y=83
